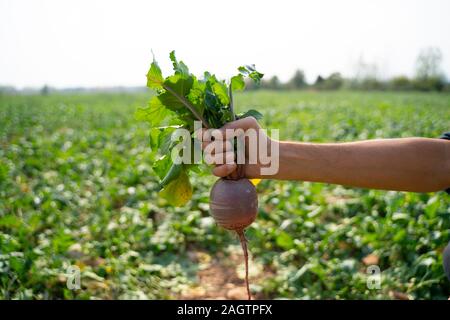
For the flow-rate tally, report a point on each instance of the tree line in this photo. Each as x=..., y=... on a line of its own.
x=428, y=77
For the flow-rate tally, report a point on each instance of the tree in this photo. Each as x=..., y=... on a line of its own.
x=428, y=70
x=366, y=76
x=428, y=63
x=274, y=83
x=366, y=70
x=319, y=81
x=400, y=83
x=333, y=82
x=298, y=80
x=45, y=90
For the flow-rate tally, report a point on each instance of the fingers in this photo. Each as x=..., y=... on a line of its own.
x=219, y=158
x=217, y=146
x=229, y=130
x=224, y=170
x=218, y=149
x=239, y=127
x=224, y=162
x=207, y=134
x=244, y=124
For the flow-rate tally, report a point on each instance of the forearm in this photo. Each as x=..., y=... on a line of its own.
x=411, y=164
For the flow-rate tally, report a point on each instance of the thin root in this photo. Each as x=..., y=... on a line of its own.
x=243, y=241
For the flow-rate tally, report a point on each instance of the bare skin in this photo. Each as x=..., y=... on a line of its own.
x=406, y=164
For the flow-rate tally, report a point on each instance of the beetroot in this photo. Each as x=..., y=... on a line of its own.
x=234, y=206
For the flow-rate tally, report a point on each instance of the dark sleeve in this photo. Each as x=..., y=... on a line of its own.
x=447, y=137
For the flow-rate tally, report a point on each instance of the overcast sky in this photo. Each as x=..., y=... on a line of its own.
x=106, y=43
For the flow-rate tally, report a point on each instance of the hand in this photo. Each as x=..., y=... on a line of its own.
x=219, y=150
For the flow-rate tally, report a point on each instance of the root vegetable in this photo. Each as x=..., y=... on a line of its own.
x=234, y=206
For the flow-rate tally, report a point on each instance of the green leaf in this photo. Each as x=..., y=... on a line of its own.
x=174, y=97
x=154, y=76
x=154, y=139
x=180, y=99
x=285, y=241
x=207, y=75
x=197, y=95
x=162, y=166
x=212, y=111
x=226, y=116
x=178, y=85
x=179, y=191
x=399, y=236
x=171, y=175
x=243, y=70
x=165, y=140
x=154, y=114
x=250, y=113
x=211, y=101
x=220, y=91
x=200, y=168
x=178, y=66
x=160, y=139
x=238, y=83
x=10, y=221
x=250, y=71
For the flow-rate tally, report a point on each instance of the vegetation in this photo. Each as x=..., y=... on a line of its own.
x=181, y=99
x=428, y=77
x=77, y=188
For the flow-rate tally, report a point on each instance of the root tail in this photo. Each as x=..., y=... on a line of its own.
x=243, y=241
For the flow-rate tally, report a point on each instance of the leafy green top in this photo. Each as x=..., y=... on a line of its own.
x=181, y=99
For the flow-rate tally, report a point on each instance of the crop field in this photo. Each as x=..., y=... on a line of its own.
x=76, y=189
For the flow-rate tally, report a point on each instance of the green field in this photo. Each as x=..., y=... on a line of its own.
x=76, y=188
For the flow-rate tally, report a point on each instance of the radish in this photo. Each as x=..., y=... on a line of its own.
x=234, y=206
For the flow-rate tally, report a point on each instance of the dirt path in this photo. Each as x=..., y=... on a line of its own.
x=221, y=277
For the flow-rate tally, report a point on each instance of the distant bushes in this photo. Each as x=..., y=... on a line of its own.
x=336, y=81
x=428, y=77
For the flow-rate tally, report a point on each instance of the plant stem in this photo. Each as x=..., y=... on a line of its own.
x=239, y=173
x=230, y=93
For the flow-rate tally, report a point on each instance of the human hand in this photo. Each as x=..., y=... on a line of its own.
x=219, y=150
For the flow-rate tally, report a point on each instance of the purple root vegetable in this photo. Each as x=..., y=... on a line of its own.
x=234, y=206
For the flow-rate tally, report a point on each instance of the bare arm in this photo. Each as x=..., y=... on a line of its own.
x=409, y=164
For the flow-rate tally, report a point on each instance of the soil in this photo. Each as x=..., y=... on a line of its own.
x=218, y=278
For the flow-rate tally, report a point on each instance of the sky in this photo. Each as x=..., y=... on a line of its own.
x=96, y=43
